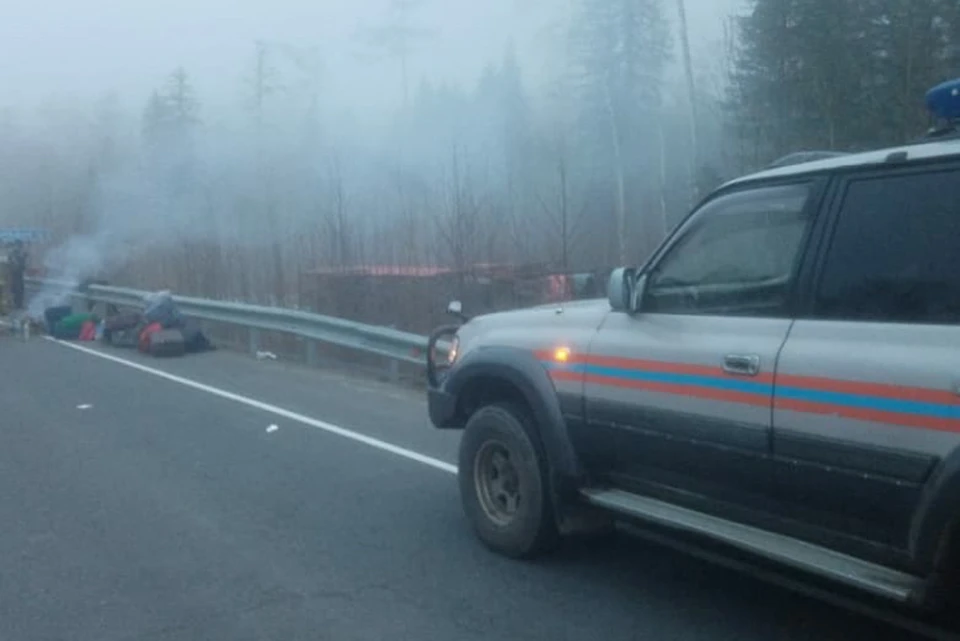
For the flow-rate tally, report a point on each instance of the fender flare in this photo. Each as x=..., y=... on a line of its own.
x=521, y=369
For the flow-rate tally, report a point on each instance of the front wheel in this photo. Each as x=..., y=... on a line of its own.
x=503, y=486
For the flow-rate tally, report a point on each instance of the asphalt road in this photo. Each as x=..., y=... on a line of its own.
x=134, y=506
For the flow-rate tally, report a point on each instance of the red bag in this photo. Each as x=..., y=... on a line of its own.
x=88, y=331
x=148, y=331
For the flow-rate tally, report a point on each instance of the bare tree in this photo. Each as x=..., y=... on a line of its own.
x=458, y=226
x=559, y=209
x=621, y=49
x=263, y=82
x=307, y=63
x=616, y=145
x=338, y=229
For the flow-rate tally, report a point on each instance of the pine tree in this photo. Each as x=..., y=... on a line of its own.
x=182, y=100
x=820, y=74
x=156, y=118
x=168, y=125
x=914, y=45
x=171, y=112
x=799, y=74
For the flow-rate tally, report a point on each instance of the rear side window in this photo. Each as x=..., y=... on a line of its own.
x=895, y=253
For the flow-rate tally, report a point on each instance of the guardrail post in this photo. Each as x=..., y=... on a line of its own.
x=394, y=369
x=254, y=340
x=311, y=353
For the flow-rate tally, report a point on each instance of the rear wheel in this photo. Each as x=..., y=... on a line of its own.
x=503, y=483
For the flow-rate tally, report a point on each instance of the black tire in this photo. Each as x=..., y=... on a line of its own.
x=530, y=529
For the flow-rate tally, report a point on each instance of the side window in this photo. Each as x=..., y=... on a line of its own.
x=895, y=253
x=737, y=255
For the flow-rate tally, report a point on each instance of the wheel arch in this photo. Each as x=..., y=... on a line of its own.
x=514, y=375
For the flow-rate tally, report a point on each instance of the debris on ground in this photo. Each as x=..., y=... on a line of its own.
x=19, y=325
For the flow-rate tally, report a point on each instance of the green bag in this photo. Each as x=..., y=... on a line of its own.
x=68, y=327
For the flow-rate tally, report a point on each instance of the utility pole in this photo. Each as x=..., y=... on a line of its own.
x=691, y=96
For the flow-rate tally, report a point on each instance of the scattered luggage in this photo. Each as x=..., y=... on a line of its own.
x=125, y=338
x=167, y=343
x=53, y=315
x=159, y=330
x=88, y=331
x=121, y=322
x=160, y=308
x=125, y=320
x=69, y=327
x=145, y=334
x=194, y=339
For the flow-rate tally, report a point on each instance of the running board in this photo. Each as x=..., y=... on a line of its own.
x=877, y=579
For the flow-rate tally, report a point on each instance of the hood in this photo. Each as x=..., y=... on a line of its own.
x=591, y=303
x=572, y=324
x=552, y=314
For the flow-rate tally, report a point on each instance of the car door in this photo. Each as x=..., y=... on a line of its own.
x=679, y=395
x=866, y=398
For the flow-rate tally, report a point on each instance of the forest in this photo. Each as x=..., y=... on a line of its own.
x=579, y=173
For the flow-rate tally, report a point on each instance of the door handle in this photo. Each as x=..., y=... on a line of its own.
x=741, y=364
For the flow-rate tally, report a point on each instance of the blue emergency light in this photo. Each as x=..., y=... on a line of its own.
x=943, y=101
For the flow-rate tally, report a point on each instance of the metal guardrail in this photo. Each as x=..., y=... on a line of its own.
x=396, y=346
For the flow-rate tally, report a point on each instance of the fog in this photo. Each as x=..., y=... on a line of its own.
x=63, y=49
x=241, y=152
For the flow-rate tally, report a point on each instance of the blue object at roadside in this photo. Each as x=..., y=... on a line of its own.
x=943, y=101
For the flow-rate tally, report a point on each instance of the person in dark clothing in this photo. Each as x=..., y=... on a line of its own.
x=18, y=270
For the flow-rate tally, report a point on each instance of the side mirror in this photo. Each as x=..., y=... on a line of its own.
x=455, y=308
x=625, y=290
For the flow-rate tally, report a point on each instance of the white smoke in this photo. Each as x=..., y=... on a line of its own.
x=130, y=214
x=223, y=188
x=72, y=262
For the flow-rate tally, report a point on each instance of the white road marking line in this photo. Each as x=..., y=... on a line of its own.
x=84, y=406
x=273, y=409
x=272, y=428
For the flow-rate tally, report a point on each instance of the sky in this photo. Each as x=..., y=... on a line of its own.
x=63, y=50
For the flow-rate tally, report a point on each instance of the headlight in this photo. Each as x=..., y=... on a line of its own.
x=443, y=349
x=454, y=350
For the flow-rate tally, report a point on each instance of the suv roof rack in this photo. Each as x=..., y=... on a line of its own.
x=804, y=156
